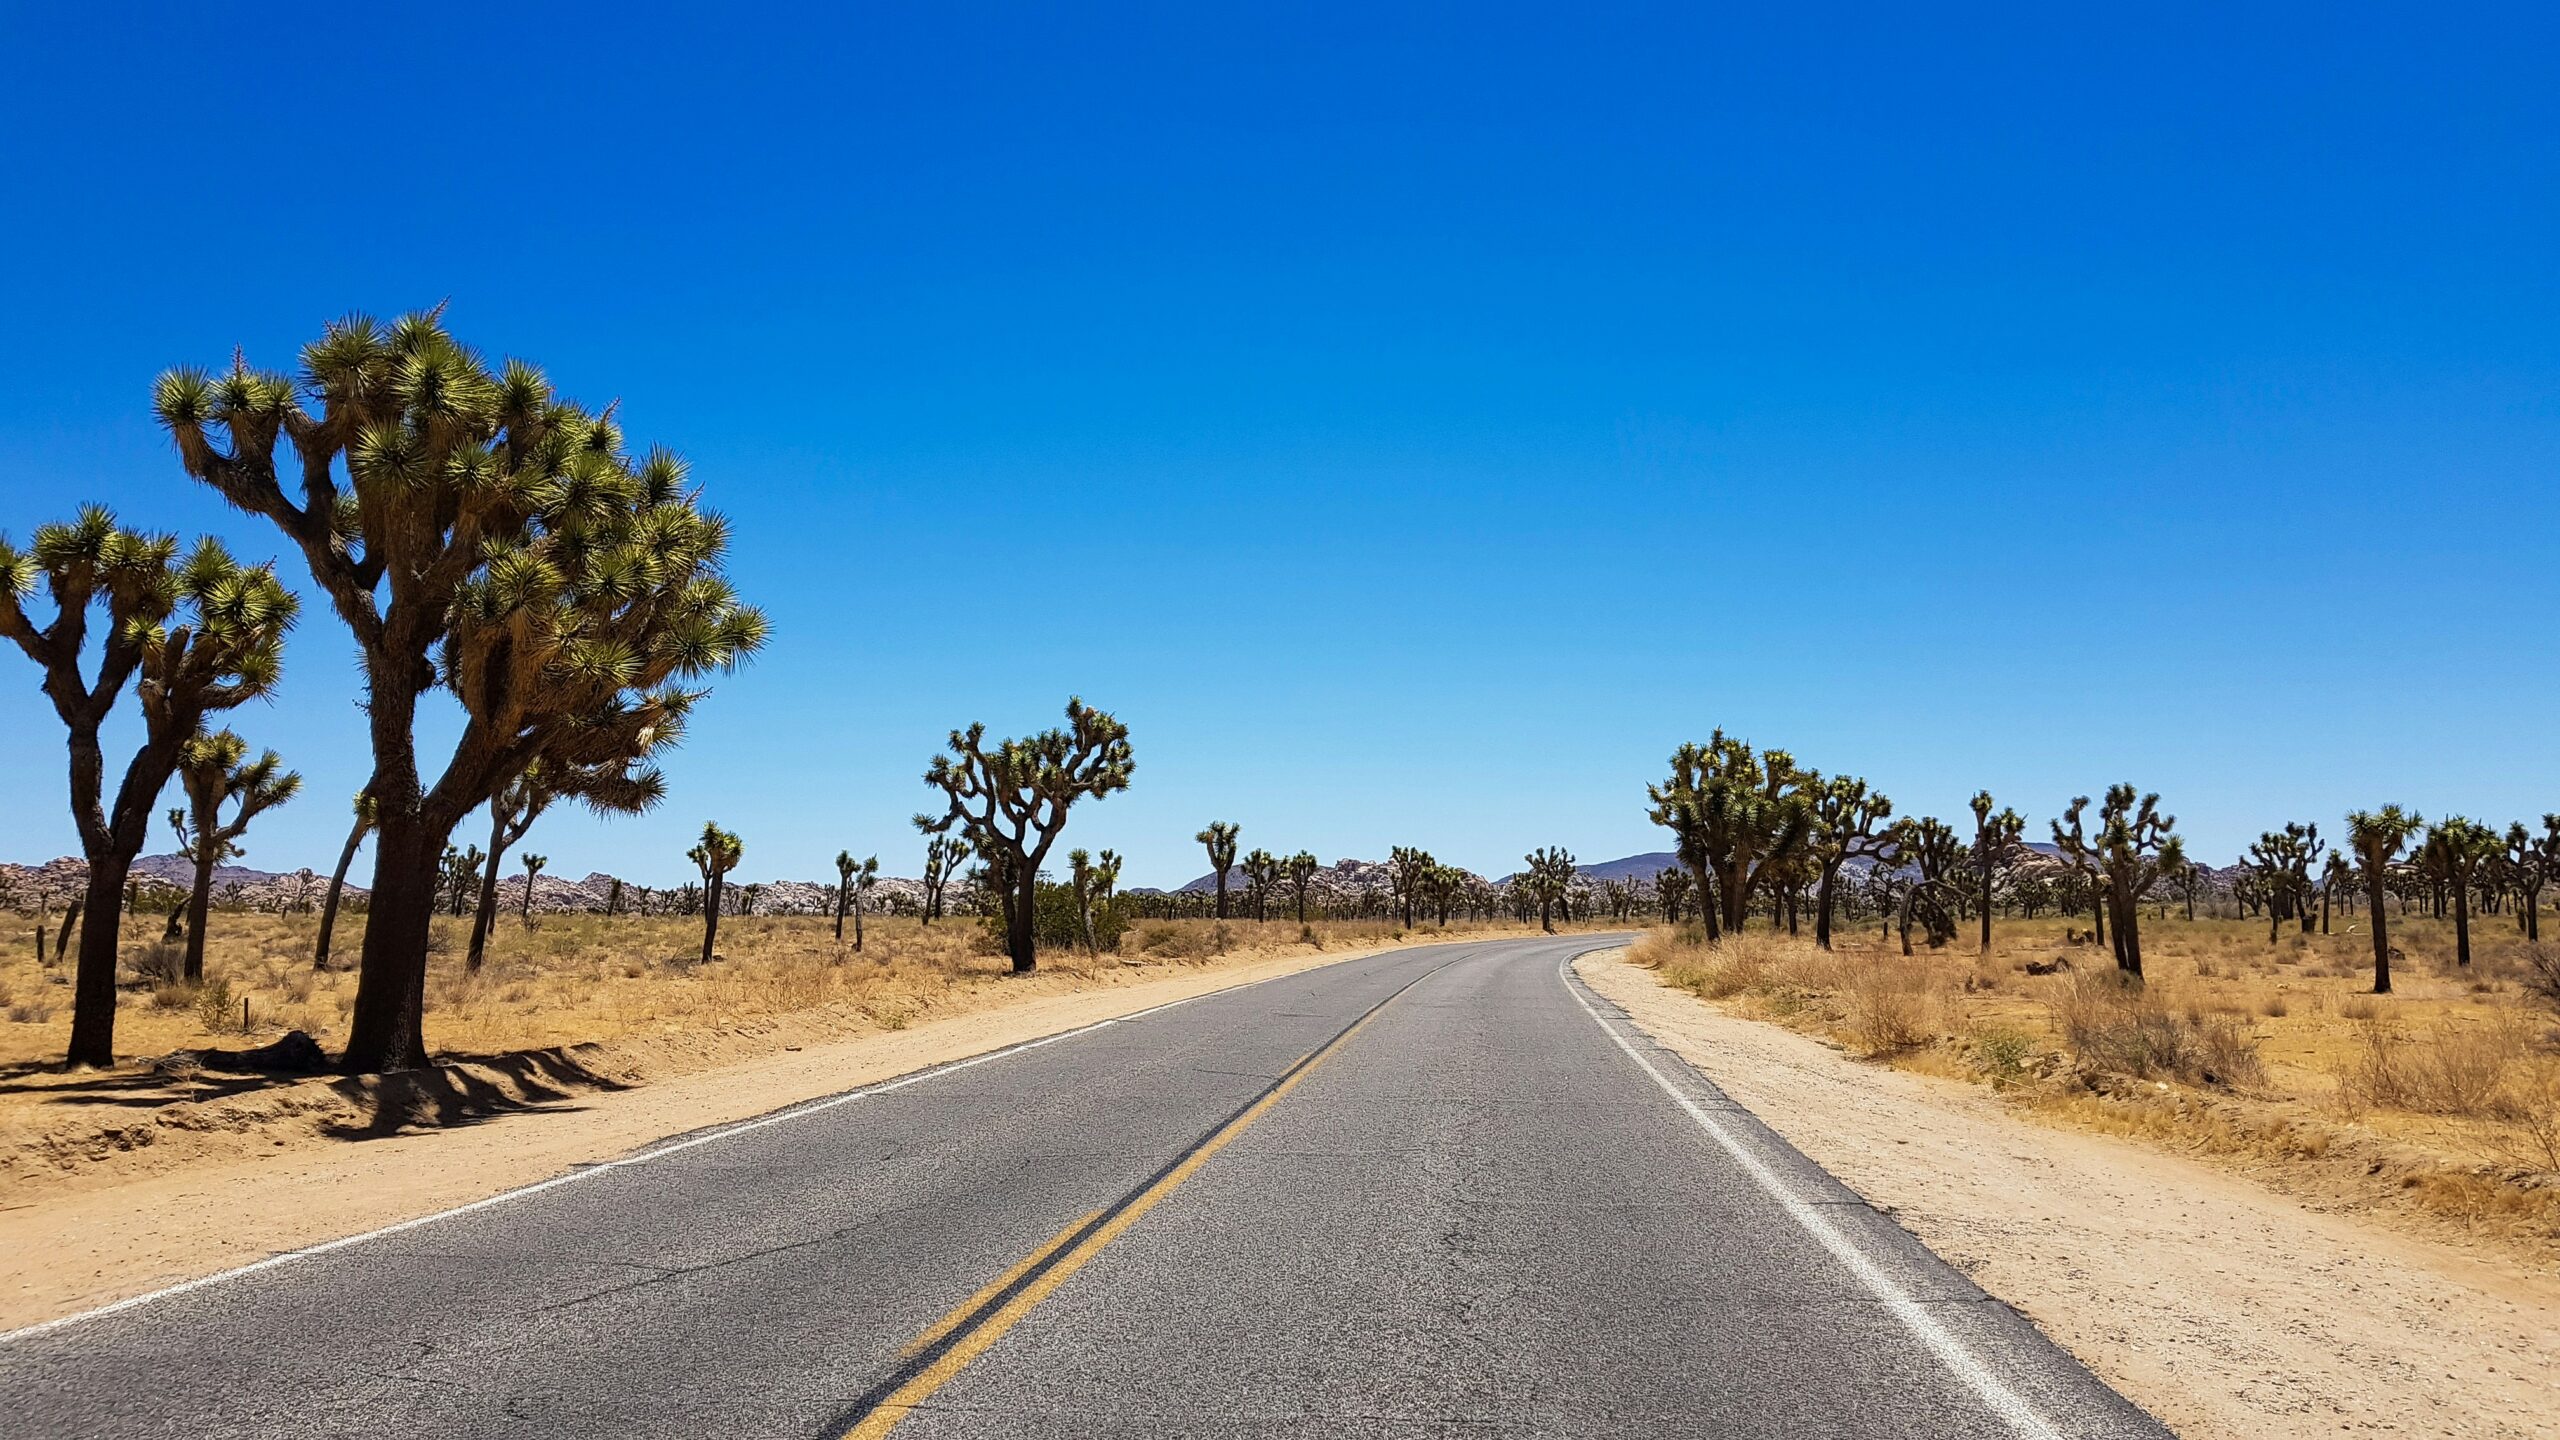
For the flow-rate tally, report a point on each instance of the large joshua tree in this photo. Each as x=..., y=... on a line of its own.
x=338, y=880
x=1010, y=801
x=480, y=534
x=2133, y=846
x=2377, y=837
x=1739, y=816
x=1849, y=822
x=214, y=770
x=192, y=637
x=714, y=856
x=2282, y=861
x=1219, y=839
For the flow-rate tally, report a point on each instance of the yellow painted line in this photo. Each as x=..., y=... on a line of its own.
x=920, y=1387
x=995, y=1287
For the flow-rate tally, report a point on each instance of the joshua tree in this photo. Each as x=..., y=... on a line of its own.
x=2337, y=874
x=1011, y=801
x=1093, y=881
x=1739, y=817
x=1408, y=867
x=215, y=771
x=1442, y=885
x=478, y=532
x=1997, y=843
x=624, y=783
x=2282, y=860
x=2535, y=860
x=1929, y=846
x=715, y=856
x=2377, y=836
x=853, y=881
x=338, y=880
x=1220, y=841
x=2454, y=850
x=1848, y=823
x=1549, y=878
x=1671, y=888
x=193, y=637
x=943, y=857
x=532, y=867
x=2134, y=846
x=1261, y=872
x=1301, y=869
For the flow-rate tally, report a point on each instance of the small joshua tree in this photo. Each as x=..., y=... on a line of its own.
x=1301, y=869
x=1849, y=822
x=2282, y=860
x=215, y=771
x=1261, y=872
x=532, y=867
x=1407, y=868
x=1011, y=802
x=1549, y=878
x=1219, y=839
x=854, y=879
x=715, y=855
x=2534, y=860
x=2457, y=848
x=1671, y=889
x=1093, y=882
x=943, y=857
x=1996, y=847
x=2134, y=846
x=2377, y=837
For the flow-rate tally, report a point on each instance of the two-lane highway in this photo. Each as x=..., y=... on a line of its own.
x=1438, y=1191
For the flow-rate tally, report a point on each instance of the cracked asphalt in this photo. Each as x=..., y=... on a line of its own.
x=1478, y=1216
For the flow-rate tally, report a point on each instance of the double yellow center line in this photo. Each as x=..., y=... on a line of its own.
x=946, y=1347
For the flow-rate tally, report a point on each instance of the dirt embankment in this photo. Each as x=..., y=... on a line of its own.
x=2224, y=1308
x=99, y=1210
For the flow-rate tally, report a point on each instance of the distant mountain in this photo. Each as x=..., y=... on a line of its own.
x=1632, y=867
x=63, y=880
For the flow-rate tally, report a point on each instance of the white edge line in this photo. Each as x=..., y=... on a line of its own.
x=1995, y=1393
x=790, y=1112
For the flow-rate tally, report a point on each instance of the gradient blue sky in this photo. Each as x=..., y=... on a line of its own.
x=1414, y=422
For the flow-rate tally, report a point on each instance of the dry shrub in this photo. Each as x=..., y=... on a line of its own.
x=2359, y=1007
x=160, y=962
x=1892, y=1008
x=2112, y=1023
x=2447, y=1069
x=2542, y=975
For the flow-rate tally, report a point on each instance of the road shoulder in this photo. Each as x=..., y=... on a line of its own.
x=2223, y=1308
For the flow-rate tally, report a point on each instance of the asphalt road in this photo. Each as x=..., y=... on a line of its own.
x=1444, y=1191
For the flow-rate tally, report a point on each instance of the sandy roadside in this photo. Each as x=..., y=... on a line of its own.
x=2223, y=1308
x=71, y=1249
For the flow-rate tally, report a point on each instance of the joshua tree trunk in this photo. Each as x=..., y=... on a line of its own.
x=337, y=886
x=2128, y=936
x=199, y=905
x=711, y=892
x=93, y=992
x=62, y=937
x=857, y=924
x=388, y=1029
x=2381, y=938
x=1986, y=907
x=1822, y=901
x=1021, y=923
x=487, y=914
x=843, y=892
x=2461, y=924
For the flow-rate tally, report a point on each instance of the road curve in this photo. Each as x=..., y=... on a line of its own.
x=1441, y=1191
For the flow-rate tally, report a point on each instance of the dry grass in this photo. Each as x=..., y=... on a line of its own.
x=2233, y=1046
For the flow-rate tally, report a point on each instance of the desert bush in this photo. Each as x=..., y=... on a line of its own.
x=2117, y=1026
x=2447, y=1069
x=2002, y=1054
x=161, y=962
x=1891, y=1008
x=2542, y=975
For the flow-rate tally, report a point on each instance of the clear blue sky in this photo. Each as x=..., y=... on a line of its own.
x=1413, y=422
